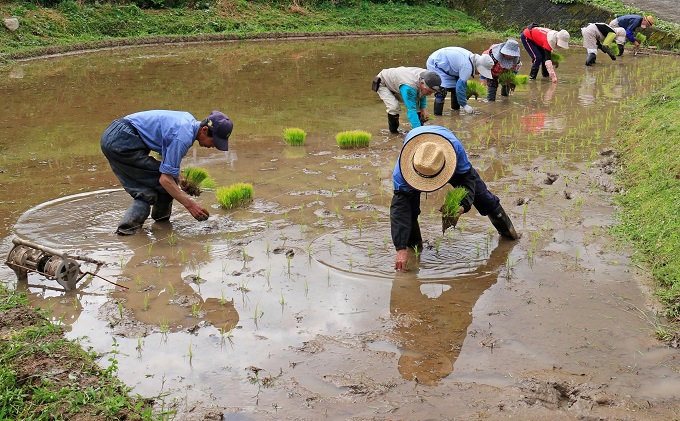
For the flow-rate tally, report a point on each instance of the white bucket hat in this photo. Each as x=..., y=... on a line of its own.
x=558, y=39
x=507, y=48
x=483, y=64
x=427, y=161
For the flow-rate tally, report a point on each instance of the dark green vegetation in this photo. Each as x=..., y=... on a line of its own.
x=650, y=205
x=103, y=24
x=45, y=377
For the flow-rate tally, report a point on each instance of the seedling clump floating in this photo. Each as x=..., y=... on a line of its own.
x=194, y=180
x=235, y=195
x=451, y=207
x=353, y=139
x=475, y=89
x=294, y=136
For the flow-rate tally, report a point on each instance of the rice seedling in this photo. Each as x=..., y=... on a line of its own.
x=282, y=301
x=138, y=280
x=475, y=89
x=172, y=239
x=615, y=48
x=195, y=310
x=146, y=302
x=294, y=136
x=191, y=353
x=511, y=80
x=164, y=326
x=149, y=248
x=194, y=180
x=452, y=201
x=183, y=255
x=353, y=139
x=306, y=288
x=234, y=195
x=207, y=247
x=556, y=58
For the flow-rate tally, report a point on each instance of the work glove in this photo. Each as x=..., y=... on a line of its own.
x=468, y=109
x=551, y=70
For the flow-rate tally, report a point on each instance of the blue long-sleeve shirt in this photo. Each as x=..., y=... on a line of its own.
x=454, y=66
x=169, y=133
x=630, y=23
x=410, y=97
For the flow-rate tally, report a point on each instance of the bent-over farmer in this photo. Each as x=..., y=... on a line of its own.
x=431, y=157
x=153, y=184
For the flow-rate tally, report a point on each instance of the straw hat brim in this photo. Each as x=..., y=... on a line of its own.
x=418, y=181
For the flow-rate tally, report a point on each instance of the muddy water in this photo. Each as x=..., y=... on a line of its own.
x=288, y=307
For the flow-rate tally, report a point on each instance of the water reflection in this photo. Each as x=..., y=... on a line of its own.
x=432, y=318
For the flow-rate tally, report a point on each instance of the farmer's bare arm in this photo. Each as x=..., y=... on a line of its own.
x=170, y=186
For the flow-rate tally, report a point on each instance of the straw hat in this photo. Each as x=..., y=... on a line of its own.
x=427, y=161
x=650, y=19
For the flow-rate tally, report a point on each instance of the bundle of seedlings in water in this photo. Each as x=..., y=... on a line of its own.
x=475, y=89
x=451, y=207
x=194, y=180
x=353, y=139
x=509, y=79
x=556, y=58
x=294, y=136
x=235, y=195
x=641, y=38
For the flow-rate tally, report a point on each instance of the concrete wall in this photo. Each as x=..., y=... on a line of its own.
x=506, y=14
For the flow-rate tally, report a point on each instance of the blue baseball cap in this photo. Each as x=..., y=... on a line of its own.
x=221, y=126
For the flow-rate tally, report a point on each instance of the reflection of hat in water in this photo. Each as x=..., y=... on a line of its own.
x=508, y=48
x=558, y=39
x=427, y=161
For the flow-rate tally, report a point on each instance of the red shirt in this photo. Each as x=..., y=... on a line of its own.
x=539, y=36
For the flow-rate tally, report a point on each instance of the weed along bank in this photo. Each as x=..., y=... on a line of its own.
x=284, y=302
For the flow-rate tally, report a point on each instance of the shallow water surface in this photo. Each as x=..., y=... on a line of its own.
x=289, y=305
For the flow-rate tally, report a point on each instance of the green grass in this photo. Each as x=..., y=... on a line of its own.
x=73, y=22
x=475, y=89
x=353, y=139
x=294, y=136
x=452, y=201
x=46, y=377
x=235, y=195
x=649, y=214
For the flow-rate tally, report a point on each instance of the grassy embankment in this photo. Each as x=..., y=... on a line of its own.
x=46, y=377
x=649, y=144
x=44, y=30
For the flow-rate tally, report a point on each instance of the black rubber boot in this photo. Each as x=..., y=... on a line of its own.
x=501, y=221
x=533, y=73
x=134, y=217
x=504, y=90
x=454, y=99
x=393, y=123
x=621, y=47
x=544, y=70
x=439, y=104
x=161, y=210
x=491, y=92
x=590, y=60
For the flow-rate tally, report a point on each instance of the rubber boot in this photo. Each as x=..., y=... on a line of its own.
x=590, y=60
x=438, y=104
x=134, y=217
x=454, y=99
x=544, y=70
x=501, y=221
x=491, y=92
x=504, y=90
x=621, y=47
x=393, y=123
x=161, y=210
x=533, y=73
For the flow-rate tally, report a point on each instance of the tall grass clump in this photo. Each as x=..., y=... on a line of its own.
x=195, y=180
x=235, y=195
x=649, y=214
x=294, y=136
x=475, y=89
x=353, y=139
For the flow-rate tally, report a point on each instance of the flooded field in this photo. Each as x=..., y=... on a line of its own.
x=289, y=307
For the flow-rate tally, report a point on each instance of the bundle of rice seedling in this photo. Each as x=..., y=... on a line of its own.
x=556, y=57
x=353, y=139
x=475, y=89
x=231, y=196
x=294, y=136
x=641, y=38
x=451, y=207
x=521, y=79
x=511, y=80
x=194, y=180
x=615, y=48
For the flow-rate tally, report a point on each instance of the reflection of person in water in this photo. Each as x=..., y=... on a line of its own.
x=430, y=331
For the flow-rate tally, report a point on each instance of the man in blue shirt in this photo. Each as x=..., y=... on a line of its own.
x=630, y=23
x=127, y=142
x=432, y=157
